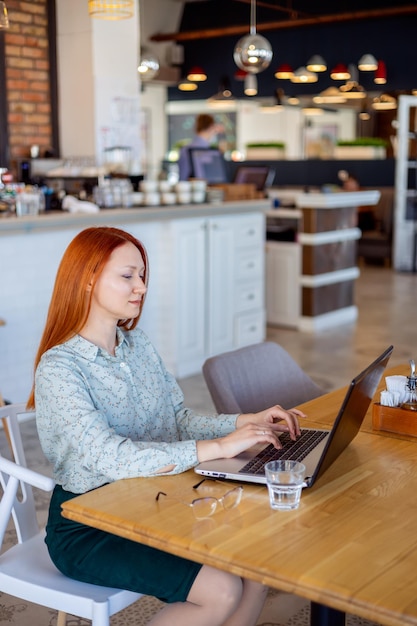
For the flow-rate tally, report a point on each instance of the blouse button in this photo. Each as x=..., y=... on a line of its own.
x=122, y=364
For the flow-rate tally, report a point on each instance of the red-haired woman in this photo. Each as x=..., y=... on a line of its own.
x=106, y=409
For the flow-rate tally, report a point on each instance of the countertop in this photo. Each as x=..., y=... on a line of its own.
x=319, y=200
x=62, y=219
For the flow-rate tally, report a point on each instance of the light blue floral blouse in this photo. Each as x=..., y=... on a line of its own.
x=101, y=417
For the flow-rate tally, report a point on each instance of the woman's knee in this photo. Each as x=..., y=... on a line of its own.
x=221, y=590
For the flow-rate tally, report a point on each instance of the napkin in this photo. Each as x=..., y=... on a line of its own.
x=71, y=204
x=390, y=398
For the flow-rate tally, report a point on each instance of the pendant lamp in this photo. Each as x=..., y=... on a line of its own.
x=197, y=74
x=380, y=77
x=303, y=75
x=224, y=97
x=367, y=63
x=148, y=66
x=111, y=9
x=4, y=18
x=352, y=90
x=384, y=102
x=187, y=85
x=253, y=53
x=331, y=95
x=317, y=64
x=250, y=86
x=284, y=71
x=340, y=72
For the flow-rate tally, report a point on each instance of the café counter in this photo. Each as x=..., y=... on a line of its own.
x=310, y=277
x=206, y=286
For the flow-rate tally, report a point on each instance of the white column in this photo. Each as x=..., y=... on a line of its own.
x=98, y=82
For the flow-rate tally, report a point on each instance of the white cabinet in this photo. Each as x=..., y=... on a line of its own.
x=405, y=219
x=211, y=284
x=220, y=280
x=283, y=290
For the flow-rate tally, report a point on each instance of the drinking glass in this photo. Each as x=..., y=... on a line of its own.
x=285, y=482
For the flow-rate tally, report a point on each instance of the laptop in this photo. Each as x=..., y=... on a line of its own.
x=317, y=449
x=259, y=175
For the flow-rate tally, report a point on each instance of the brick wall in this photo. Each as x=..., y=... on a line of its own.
x=27, y=78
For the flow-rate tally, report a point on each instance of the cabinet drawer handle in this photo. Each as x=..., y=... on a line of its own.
x=250, y=265
x=251, y=296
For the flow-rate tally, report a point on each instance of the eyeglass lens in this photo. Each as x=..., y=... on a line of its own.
x=204, y=507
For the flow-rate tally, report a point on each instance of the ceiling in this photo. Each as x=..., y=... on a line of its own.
x=207, y=19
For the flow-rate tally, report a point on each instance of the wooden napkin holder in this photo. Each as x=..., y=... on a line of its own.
x=394, y=420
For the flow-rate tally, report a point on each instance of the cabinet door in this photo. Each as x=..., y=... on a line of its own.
x=220, y=284
x=283, y=261
x=190, y=295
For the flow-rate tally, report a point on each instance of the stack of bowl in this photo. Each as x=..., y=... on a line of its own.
x=163, y=192
x=191, y=191
x=198, y=189
x=167, y=193
x=151, y=195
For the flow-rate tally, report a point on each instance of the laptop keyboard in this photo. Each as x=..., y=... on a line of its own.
x=294, y=450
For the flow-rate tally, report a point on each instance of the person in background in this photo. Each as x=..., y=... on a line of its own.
x=205, y=130
x=107, y=409
x=349, y=181
x=365, y=214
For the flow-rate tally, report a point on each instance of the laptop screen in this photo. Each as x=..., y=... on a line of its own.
x=259, y=175
x=352, y=412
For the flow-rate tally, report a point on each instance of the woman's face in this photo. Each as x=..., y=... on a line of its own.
x=119, y=289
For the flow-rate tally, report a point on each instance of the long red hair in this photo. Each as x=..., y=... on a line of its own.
x=81, y=266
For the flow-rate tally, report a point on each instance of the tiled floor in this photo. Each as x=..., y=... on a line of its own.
x=387, y=303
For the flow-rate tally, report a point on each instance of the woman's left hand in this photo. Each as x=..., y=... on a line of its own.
x=274, y=419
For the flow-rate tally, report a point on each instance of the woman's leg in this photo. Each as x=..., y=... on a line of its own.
x=215, y=599
x=250, y=606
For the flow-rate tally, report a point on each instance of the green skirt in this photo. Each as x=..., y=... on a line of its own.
x=98, y=557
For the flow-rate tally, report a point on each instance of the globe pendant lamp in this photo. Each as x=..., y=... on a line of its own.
x=148, y=66
x=253, y=53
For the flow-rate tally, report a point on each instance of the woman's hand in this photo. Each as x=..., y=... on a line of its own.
x=274, y=419
x=251, y=429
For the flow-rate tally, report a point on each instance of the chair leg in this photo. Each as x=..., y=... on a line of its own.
x=6, y=430
x=62, y=619
x=5, y=427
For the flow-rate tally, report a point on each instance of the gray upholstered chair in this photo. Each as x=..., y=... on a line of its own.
x=256, y=377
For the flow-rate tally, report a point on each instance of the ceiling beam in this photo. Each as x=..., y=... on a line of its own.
x=212, y=33
x=278, y=7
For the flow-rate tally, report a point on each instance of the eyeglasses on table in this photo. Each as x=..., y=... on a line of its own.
x=206, y=506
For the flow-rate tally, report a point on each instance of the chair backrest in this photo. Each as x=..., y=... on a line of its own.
x=256, y=377
x=16, y=480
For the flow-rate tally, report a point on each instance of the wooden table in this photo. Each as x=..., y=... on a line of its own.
x=351, y=546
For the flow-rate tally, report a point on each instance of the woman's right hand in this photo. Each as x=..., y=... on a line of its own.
x=241, y=439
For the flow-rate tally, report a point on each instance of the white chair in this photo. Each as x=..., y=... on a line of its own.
x=26, y=571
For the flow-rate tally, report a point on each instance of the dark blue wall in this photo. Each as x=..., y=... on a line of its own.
x=390, y=39
x=318, y=172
